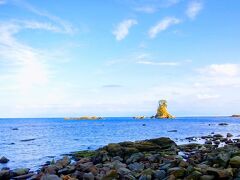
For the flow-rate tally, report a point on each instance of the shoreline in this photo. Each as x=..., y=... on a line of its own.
x=160, y=158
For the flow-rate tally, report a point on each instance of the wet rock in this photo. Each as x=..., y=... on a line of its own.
x=217, y=142
x=206, y=137
x=229, y=135
x=235, y=162
x=50, y=177
x=66, y=170
x=159, y=174
x=147, y=174
x=207, y=177
x=173, y=130
x=137, y=167
x=20, y=171
x=217, y=136
x=3, y=160
x=111, y=175
x=26, y=176
x=117, y=164
x=195, y=175
x=14, y=129
x=85, y=167
x=117, y=158
x=26, y=140
x=63, y=162
x=218, y=173
x=178, y=172
x=123, y=171
x=208, y=142
x=223, y=124
x=4, y=174
x=135, y=157
x=88, y=176
x=183, y=164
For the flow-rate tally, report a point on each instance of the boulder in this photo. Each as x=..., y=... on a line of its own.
x=50, y=177
x=159, y=174
x=111, y=175
x=235, y=162
x=178, y=172
x=20, y=171
x=135, y=157
x=25, y=176
x=4, y=174
x=88, y=176
x=137, y=167
x=3, y=160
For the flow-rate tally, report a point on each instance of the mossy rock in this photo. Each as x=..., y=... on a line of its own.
x=84, y=154
x=111, y=175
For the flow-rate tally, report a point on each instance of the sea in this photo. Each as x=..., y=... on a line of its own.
x=31, y=142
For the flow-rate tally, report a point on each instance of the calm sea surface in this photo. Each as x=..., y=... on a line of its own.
x=39, y=140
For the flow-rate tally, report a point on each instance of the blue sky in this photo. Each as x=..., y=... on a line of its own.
x=118, y=58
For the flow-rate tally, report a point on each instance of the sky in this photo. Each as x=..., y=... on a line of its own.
x=119, y=57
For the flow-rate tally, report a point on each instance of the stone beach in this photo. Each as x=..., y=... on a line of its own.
x=160, y=158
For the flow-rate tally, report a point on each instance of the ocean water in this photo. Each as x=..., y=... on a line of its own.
x=41, y=139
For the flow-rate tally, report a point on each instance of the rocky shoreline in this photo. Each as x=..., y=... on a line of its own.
x=160, y=158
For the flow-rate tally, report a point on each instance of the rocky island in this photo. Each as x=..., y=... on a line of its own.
x=162, y=111
x=236, y=115
x=83, y=118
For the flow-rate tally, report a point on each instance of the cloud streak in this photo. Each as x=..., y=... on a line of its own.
x=163, y=25
x=158, y=63
x=193, y=9
x=122, y=29
x=60, y=25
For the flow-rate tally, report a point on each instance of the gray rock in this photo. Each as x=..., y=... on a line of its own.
x=26, y=176
x=4, y=174
x=145, y=177
x=20, y=171
x=50, y=177
x=160, y=174
x=123, y=171
x=85, y=166
x=135, y=157
x=137, y=167
x=117, y=158
x=88, y=176
x=117, y=164
x=154, y=158
x=229, y=135
x=3, y=160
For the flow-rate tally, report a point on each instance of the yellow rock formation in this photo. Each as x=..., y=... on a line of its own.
x=162, y=111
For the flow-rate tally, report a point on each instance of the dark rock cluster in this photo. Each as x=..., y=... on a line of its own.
x=150, y=159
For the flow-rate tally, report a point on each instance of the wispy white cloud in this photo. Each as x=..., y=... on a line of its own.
x=193, y=9
x=58, y=23
x=158, y=63
x=122, y=29
x=112, y=86
x=146, y=9
x=26, y=63
x=145, y=59
x=152, y=6
x=229, y=70
x=208, y=96
x=163, y=25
